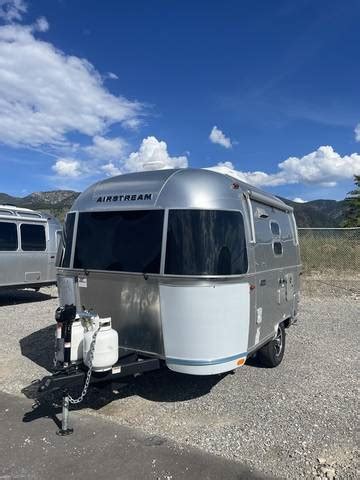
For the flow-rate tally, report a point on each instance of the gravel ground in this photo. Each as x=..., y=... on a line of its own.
x=295, y=421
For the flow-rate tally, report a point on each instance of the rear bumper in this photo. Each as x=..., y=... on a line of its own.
x=206, y=367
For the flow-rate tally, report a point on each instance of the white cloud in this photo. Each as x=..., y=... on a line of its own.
x=46, y=94
x=67, y=167
x=111, y=170
x=112, y=76
x=11, y=10
x=106, y=148
x=253, y=178
x=41, y=25
x=153, y=155
x=132, y=123
x=217, y=136
x=324, y=167
x=357, y=132
x=299, y=200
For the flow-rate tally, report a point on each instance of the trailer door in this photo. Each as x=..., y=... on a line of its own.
x=274, y=254
x=9, y=256
x=34, y=259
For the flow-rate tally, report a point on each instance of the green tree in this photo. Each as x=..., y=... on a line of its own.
x=352, y=213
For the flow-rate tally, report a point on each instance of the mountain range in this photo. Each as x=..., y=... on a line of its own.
x=56, y=202
x=316, y=213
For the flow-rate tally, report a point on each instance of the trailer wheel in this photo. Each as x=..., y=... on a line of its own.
x=271, y=354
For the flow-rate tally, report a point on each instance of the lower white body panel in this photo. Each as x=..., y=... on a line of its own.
x=205, y=328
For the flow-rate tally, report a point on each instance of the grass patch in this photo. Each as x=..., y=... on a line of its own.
x=330, y=250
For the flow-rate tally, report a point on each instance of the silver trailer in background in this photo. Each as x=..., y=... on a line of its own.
x=28, y=244
x=194, y=268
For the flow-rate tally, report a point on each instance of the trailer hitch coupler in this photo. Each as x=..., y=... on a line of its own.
x=65, y=314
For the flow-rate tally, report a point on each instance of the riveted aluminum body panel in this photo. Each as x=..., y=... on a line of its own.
x=19, y=268
x=134, y=300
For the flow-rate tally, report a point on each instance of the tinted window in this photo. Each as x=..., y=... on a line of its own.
x=205, y=242
x=67, y=239
x=275, y=229
x=278, y=250
x=8, y=236
x=127, y=241
x=32, y=237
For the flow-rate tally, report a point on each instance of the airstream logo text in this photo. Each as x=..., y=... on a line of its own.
x=125, y=198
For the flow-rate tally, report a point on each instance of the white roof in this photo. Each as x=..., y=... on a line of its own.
x=16, y=209
x=10, y=211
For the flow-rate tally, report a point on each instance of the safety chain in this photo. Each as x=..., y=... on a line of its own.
x=89, y=372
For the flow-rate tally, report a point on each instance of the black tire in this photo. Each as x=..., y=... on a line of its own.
x=271, y=354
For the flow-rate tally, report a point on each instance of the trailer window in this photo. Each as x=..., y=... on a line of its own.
x=278, y=249
x=8, y=236
x=205, y=242
x=67, y=239
x=32, y=237
x=122, y=241
x=275, y=228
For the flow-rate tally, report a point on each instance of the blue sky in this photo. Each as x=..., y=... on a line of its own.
x=90, y=89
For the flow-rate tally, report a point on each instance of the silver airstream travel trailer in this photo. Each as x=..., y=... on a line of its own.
x=193, y=267
x=28, y=244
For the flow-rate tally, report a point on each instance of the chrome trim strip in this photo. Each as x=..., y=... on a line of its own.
x=73, y=244
x=251, y=218
x=199, y=363
x=164, y=240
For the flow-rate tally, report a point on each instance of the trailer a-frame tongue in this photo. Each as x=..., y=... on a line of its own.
x=69, y=376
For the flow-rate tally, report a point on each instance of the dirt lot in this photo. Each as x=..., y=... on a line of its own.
x=295, y=421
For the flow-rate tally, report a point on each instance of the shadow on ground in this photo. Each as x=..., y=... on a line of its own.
x=159, y=386
x=16, y=297
x=39, y=347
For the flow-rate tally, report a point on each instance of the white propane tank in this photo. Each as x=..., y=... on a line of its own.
x=106, y=351
x=77, y=336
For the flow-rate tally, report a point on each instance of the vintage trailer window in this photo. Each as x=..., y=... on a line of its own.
x=67, y=239
x=122, y=241
x=278, y=249
x=8, y=236
x=275, y=228
x=205, y=242
x=32, y=237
